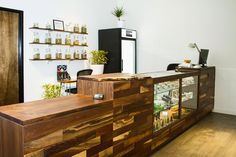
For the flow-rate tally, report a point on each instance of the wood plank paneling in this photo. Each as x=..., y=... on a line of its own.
x=88, y=87
x=12, y=139
x=9, y=72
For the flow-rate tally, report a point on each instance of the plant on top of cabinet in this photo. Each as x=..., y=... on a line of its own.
x=118, y=12
x=99, y=58
x=51, y=91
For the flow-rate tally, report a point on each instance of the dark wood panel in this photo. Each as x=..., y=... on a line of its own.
x=9, y=70
x=36, y=111
x=88, y=87
x=12, y=139
x=45, y=127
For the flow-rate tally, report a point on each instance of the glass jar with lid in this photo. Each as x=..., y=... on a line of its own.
x=36, y=54
x=84, y=41
x=76, y=40
x=84, y=54
x=76, y=28
x=68, y=40
x=67, y=54
x=76, y=54
x=48, y=38
x=58, y=39
x=36, y=37
x=84, y=29
x=48, y=54
x=48, y=26
x=58, y=54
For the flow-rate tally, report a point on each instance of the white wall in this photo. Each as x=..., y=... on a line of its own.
x=95, y=14
x=166, y=27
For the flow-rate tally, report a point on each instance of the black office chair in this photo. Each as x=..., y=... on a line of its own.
x=172, y=66
x=84, y=72
x=79, y=73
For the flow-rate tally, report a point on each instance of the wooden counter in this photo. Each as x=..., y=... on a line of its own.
x=58, y=127
x=119, y=125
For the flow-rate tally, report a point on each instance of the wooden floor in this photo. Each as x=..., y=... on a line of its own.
x=214, y=136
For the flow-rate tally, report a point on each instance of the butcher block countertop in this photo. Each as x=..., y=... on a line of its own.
x=30, y=112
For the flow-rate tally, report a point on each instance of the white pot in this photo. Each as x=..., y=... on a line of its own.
x=121, y=24
x=97, y=69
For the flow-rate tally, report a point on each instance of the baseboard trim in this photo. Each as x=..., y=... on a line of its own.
x=223, y=111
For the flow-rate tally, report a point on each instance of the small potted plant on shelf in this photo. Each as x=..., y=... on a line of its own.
x=118, y=12
x=51, y=91
x=99, y=58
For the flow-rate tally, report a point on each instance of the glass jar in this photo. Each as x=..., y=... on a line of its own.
x=48, y=54
x=36, y=37
x=67, y=54
x=76, y=54
x=58, y=39
x=58, y=54
x=48, y=26
x=36, y=54
x=76, y=28
x=48, y=38
x=84, y=29
x=67, y=40
x=69, y=27
x=84, y=41
x=84, y=54
x=36, y=25
x=76, y=40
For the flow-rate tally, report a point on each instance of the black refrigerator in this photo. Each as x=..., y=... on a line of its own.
x=121, y=45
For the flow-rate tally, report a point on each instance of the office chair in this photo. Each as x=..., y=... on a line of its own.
x=172, y=66
x=84, y=72
x=79, y=73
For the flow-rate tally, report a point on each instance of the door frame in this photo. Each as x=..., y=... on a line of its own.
x=20, y=50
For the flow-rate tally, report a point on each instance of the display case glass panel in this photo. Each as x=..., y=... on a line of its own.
x=166, y=103
x=189, y=95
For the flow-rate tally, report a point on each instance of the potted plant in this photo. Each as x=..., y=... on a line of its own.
x=98, y=60
x=119, y=12
x=51, y=91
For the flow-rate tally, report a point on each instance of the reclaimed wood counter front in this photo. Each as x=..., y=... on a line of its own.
x=119, y=125
x=59, y=127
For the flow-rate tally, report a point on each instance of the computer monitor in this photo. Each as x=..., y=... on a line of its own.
x=203, y=57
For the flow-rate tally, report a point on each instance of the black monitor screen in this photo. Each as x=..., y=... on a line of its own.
x=203, y=56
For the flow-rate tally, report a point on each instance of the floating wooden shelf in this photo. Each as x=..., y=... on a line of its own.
x=57, y=59
x=57, y=44
x=52, y=30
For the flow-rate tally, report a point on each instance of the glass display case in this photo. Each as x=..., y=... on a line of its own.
x=189, y=95
x=166, y=103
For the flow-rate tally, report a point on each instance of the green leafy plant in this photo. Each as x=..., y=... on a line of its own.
x=118, y=12
x=99, y=57
x=51, y=91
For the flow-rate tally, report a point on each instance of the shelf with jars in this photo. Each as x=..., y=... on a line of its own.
x=76, y=29
x=58, y=55
x=59, y=41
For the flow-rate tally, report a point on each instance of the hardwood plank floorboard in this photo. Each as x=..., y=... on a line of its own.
x=213, y=136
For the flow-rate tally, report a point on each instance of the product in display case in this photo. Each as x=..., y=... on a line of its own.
x=166, y=103
x=189, y=95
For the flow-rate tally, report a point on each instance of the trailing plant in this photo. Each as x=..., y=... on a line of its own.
x=118, y=12
x=51, y=91
x=99, y=57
